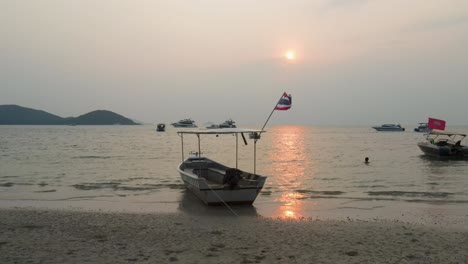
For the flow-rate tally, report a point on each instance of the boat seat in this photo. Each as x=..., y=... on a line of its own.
x=209, y=175
x=218, y=170
x=442, y=143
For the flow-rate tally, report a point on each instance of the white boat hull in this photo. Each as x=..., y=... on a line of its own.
x=217, y=193
x=422, y=130
x=183, y=125
x=391, y=129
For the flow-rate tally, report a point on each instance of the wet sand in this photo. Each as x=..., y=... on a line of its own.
x=61, y=236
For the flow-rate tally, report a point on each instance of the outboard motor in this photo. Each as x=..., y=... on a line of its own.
x=232, y=177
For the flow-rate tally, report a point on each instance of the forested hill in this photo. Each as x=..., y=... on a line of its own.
x=18, y=115
x=102, y=117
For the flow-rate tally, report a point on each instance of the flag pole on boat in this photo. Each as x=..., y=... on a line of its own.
x=274, y=108
x=284, y=103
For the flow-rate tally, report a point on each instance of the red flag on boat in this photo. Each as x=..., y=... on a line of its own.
x=284, y=102
x=436, y=124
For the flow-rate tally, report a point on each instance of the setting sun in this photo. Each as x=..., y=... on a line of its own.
x=290, y=55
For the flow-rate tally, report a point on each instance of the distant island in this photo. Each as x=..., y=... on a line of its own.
x=18, y=115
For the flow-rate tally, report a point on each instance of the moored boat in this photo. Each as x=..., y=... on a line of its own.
x=422, y=127
x=444, y=144
x=389, y=127
x=228, y=124
x=161, y=127
x=215, y=183
x=185, y=123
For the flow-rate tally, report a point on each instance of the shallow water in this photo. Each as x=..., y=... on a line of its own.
x=312, y=171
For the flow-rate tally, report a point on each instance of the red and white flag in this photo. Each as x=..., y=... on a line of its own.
x=284, y=102
x=436, y=124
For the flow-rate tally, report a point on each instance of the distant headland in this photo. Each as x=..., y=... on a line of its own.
x=18, y=115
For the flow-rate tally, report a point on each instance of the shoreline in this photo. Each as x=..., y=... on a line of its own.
x=442, y=214
x=63, y=236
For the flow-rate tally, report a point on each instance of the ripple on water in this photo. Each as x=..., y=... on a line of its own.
x=321, y=192
x=411, y=194
x=45, y=191
x=96, y=157
x=118, y=186
x=96, y=186
x=8, y=176
x=265, y=193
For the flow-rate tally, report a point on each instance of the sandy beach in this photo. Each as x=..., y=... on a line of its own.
x=61, y=236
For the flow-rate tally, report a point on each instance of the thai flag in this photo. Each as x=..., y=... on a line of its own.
x=436, y=124
x=284, y=102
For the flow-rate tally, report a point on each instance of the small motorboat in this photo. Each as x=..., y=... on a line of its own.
x=389, y=127
x=161, y=127
x=215, y=183
x=210, y=125
x=441, y=143
x=423, y=127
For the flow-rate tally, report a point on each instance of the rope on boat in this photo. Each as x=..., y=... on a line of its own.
x=221, y=199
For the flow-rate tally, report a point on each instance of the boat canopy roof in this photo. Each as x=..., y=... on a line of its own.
x=446, y=133
x=220, y=131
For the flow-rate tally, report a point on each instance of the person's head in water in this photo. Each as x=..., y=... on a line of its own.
x=366, y=160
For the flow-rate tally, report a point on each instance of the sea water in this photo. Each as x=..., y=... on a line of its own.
x=312, y=172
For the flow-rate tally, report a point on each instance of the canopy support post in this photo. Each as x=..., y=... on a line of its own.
x=237, y=149
x=182, y=141
x=199, y=148
x=255, y=157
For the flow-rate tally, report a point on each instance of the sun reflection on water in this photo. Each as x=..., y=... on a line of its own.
x=289, y=159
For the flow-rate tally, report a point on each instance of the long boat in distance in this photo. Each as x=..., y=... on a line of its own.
x=215, y=183
x=442, y=144
x=389, y=127
x=228, y=124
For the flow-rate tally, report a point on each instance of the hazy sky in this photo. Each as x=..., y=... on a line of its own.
x=362, y=62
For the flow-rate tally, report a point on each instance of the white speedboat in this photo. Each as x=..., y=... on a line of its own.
x=210, y=125
x=215, y=183
x=184, y=123
x=444, y=144
x=389, y=127
x=423, y=127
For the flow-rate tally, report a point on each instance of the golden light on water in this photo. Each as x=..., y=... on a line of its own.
x=289, y=160
x=289, y=214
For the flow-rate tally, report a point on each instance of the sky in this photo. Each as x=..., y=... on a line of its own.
x=356, y=62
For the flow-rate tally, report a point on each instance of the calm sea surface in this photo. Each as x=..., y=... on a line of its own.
x=312, y=172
